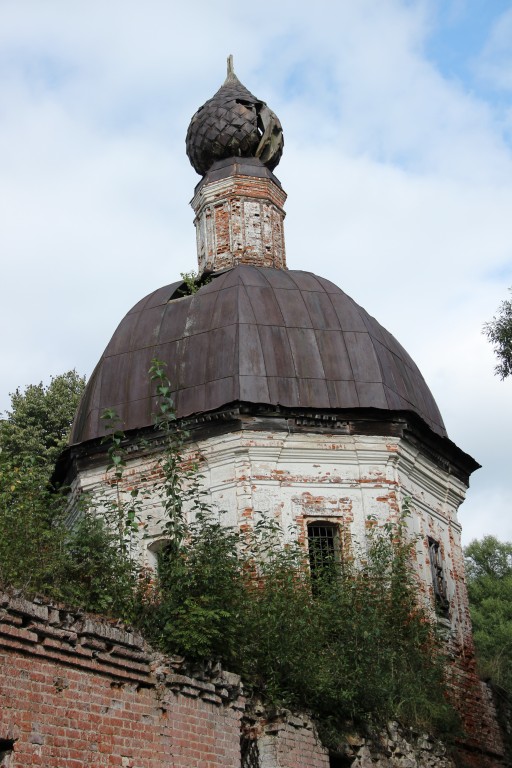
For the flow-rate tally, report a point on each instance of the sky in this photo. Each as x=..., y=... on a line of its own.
x=397, y=117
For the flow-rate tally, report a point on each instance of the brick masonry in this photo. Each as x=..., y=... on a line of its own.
x=296, y=478
x=239, y=220
x=77, y=691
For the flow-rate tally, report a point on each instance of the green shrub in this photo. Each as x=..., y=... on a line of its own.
x=352, y=645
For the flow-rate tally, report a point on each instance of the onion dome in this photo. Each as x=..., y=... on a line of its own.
x=258, y=337
x=233, y=123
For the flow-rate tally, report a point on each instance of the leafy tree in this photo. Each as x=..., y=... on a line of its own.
x=95, y=573
x=489, y=569
x=356, y=644
x=37, y=426
x=357, y=648
x=32, y=534
x=499, y=333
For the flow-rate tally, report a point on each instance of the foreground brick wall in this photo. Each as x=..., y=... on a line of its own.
x=290, y=741
x=483, y=742
x=76, y=693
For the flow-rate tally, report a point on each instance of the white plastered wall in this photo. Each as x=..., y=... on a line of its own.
x=299, y=477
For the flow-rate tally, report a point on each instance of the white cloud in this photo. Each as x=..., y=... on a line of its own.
x=494, y=65
x=399, y=182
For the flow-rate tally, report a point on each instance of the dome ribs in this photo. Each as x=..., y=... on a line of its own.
x=293, y=308
x=174, y=320
x=121, y=340
x=306, y=354
x=265, y=307
x=221, y=360
x=321, y=311
x=255, y=335
x=225, y=311
x=251, y=360
x=146, y=331
x=334, y=355
x=277, y=352
x=245, y=308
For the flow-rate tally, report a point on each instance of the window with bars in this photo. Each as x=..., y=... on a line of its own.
x=438, y=577
x=323, y=548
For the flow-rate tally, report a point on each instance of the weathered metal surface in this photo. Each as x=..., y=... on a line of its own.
x=262, y=336
x=233, y=123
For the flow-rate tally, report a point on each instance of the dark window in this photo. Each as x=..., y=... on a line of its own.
x=323, y=548
x=337, y=760
x=250, y=756
x=438, y=579
x=6, y=750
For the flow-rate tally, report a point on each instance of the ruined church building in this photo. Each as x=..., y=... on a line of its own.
x=302, y=408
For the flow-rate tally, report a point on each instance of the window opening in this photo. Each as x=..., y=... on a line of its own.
x=324, y=548
x=6, y=750
x=249, y=752
x=438, y=578
x=337, y=760
x=156, y=551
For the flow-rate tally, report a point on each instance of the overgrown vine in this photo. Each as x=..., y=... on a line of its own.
x=358, y=647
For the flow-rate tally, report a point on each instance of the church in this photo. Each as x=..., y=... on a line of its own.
x=300, y=406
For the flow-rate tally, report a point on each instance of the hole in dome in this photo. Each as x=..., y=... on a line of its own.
x=245, y=103
x=192, y=285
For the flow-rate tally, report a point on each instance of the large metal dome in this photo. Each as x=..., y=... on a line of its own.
x=256, y=336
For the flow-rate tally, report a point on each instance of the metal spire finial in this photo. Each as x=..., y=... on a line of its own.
x=231, y=77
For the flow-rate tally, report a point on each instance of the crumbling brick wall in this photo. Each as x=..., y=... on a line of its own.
x=290, y=741
x=76, y=692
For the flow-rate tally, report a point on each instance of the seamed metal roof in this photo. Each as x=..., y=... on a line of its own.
x=259, y=336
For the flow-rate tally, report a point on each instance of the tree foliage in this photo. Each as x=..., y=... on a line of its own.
x=354, y=646
x=30, y=540
x=489, y=570
x=499, y=332
x=37, y=426
x=32, y=535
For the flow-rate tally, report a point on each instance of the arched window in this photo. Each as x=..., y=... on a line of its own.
x=155, y=551
x=438, y=577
